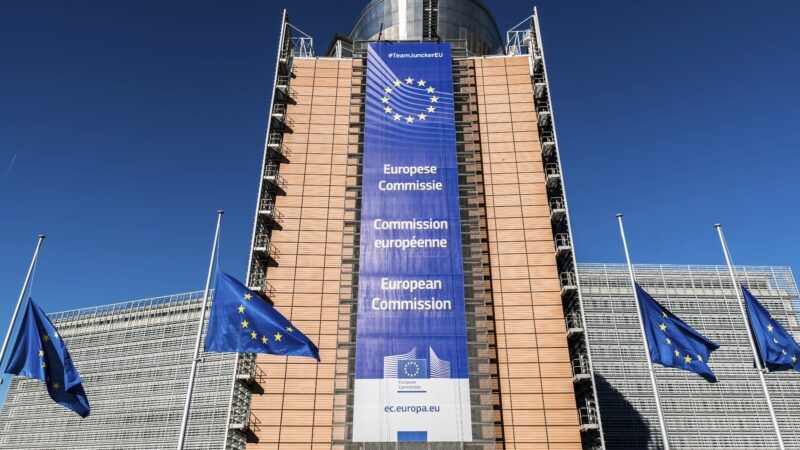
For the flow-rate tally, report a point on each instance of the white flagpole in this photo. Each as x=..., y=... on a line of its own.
x=19, y=301
x=747, y=324
x=661, y=422
x=196, y=357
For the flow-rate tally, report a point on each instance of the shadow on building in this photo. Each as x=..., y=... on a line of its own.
x=623, y=426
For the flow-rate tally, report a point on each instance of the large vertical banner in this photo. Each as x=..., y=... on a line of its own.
x=411, y=379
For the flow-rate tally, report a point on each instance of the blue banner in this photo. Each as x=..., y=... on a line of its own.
x=411, y=345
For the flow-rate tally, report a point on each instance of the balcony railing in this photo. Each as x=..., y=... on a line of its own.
x=548, y=140
x=580, y=369
x=574, y=325
x=280, y=113
x=545, y=116
x=563, y=243
x=588, y=418
x=569, y=283
x=557, y=208
x=553, y=174
x=272, y=176
x=276, y=144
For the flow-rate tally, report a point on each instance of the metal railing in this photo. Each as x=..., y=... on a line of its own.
x=588, y=417
x=276, y=144
x=573, y=321
x=557, y=206
x=563, y=241
x=580, y=367
x=568, y=280
x=552, y=170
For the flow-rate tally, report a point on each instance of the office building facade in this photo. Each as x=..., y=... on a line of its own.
x=519, y=277
x=134, y=358
x=731, y=413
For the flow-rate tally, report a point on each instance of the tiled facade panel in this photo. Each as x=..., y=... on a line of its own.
x=296, y=408
x=535, y=378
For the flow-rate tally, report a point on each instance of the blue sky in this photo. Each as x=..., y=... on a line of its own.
x=129, y=123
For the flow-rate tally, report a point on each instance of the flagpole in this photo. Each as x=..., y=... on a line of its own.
x=756, y=356
x=652, y=373
x=196, y=357
x=19, y=301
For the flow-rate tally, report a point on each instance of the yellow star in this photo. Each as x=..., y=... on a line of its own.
x=397, y=117
x=397, y=83
x=775, y=341
x=247, y=296
x=431, y=109
x=409, y=80
x=677, y=353
x=245, y=324
x=434, y=99
x=794, y=359
x=409, y=119
x=278, y=336
x=770, y=328
x=46, y=338
x=388, y=90
x=422, y=116
x=43, y=364
x=663, y=327
x=241, y=309
x=56, y=385
x=55, y=335
x=385, y=100
x=669, y=341
x=688, y=359
x=699, y=358
x=41, y=353
x=388, y=109
x=254, y=335
x=431, y=90
x=783, y=351
x=289, y=329
x=664, y=314
x=264, y=340
x=421, y=82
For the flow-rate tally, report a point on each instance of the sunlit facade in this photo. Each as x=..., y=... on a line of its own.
x=731, y=413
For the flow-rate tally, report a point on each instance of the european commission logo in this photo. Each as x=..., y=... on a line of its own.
x=409, y=367
x=410, y=100
x=412, y=369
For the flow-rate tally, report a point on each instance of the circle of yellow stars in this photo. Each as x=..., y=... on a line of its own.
x=253, y=334
x=388, y=109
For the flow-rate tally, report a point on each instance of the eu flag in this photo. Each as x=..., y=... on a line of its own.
x=672, y=342
x=40, y=353
x=241, y=321
x=776, y=346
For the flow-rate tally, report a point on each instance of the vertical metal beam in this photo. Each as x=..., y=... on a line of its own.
x=199, y=337
x=652, y=373
x=756, y=356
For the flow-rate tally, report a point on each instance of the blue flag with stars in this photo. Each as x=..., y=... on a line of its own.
x=40, y=353
x=672, y=342
x=241, y=321
x=777, y=348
